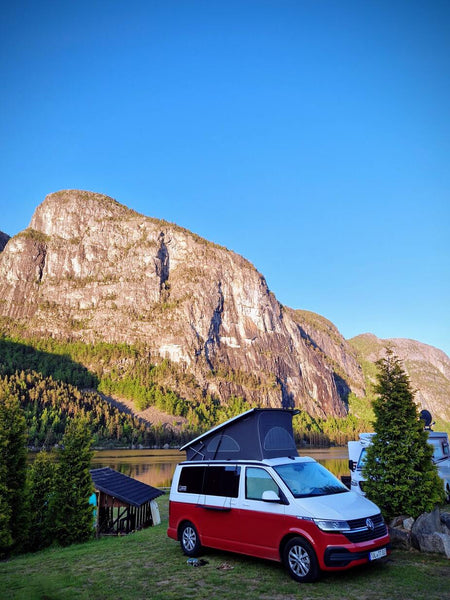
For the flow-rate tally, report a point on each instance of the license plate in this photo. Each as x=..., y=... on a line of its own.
x=377, y=554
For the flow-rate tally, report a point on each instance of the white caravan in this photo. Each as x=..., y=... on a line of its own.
x=357, y=454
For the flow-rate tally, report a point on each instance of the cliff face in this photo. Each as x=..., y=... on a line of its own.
x=89, y=268
x=428, y=369
x=326, y=339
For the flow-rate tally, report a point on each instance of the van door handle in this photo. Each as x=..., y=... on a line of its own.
x=215, y=508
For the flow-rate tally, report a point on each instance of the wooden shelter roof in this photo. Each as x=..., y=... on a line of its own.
x=124, y=488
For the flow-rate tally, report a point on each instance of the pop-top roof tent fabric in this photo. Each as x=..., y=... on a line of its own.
x=254, y=435
x=124, y=488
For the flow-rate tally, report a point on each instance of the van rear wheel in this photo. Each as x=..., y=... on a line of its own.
x=189, y=540
x=300, y=560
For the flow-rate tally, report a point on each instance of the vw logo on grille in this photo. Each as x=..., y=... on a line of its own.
x=370, y=525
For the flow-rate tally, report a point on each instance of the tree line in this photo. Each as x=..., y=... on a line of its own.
x=48, y=501
x=125, y=371
x=50, y=405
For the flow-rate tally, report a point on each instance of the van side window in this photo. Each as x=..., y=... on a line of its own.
x=191, y=480
x=258, y=481
x=222, y=481
x=210, y=480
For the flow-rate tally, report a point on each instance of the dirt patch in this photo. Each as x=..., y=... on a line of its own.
x=150, y=416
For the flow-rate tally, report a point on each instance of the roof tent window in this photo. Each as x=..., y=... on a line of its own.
x=223, y=443
x=277, y=438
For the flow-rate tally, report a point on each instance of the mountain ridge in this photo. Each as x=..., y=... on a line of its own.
x=91, y=269
x=427, y=367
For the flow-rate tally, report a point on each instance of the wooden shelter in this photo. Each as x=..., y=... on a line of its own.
x=123, y=504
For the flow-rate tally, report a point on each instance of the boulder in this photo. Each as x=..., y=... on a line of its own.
x=400, y=532
x=445, y=520
x=429, y=533
x=434, y=542
x=400, y=538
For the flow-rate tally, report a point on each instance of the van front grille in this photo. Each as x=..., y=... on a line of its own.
x=363, y=530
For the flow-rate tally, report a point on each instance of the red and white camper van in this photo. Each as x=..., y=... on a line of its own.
x=244, y=489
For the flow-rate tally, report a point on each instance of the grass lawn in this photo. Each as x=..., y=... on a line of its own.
x=148, y=565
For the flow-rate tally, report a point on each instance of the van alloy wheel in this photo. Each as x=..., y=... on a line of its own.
x=190, y=542
x=300, y=560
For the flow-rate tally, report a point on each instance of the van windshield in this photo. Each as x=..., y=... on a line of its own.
x=309, y=479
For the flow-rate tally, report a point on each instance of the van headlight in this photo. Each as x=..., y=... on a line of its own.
x=332, y=526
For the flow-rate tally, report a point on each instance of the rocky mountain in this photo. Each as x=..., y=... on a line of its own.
x=89, y=268
x=320, y=333
x=3, y=240
x=428, y=369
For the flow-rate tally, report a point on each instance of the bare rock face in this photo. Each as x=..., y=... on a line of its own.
x=326, y=339
x=89, y=268
x=3, y=240
x=428, y=369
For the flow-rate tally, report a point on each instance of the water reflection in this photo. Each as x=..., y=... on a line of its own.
x=156, y=467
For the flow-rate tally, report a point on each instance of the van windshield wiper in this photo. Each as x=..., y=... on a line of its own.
x=325, y=491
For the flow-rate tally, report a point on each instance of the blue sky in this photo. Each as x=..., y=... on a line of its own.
x=310, y=136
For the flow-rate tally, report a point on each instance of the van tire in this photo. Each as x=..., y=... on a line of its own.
x=300, y=560
x=189, y=540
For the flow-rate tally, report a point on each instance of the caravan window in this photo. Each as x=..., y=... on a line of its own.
x=440, y=448
x=362, y=459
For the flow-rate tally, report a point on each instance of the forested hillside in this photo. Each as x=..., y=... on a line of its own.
x=56, y=381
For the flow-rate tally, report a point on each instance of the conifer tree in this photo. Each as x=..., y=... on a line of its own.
x=5, y=509
x=41, y=491
x=73, y=513
x=401, y=478
x=13, y=506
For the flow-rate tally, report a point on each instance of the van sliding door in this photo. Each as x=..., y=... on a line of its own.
x=219, y=503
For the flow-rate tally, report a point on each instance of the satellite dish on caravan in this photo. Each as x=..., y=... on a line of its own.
x=426, y=417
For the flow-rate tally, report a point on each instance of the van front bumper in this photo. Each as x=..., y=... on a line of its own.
x=339, y=557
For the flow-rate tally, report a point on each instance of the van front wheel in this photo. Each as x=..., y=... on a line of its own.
x=190, y=542
x=300, y=560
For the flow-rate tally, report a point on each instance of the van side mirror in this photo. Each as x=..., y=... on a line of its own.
x=351, y=465
x=270, y=496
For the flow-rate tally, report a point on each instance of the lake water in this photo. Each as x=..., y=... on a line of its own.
x=156, y=467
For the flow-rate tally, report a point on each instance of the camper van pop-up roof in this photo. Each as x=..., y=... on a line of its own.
x=254, y=435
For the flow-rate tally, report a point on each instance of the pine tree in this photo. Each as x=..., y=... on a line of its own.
x=5, y=509
x=13, y=456
x=41, y=491
x=73, y=513
x=401, y=478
